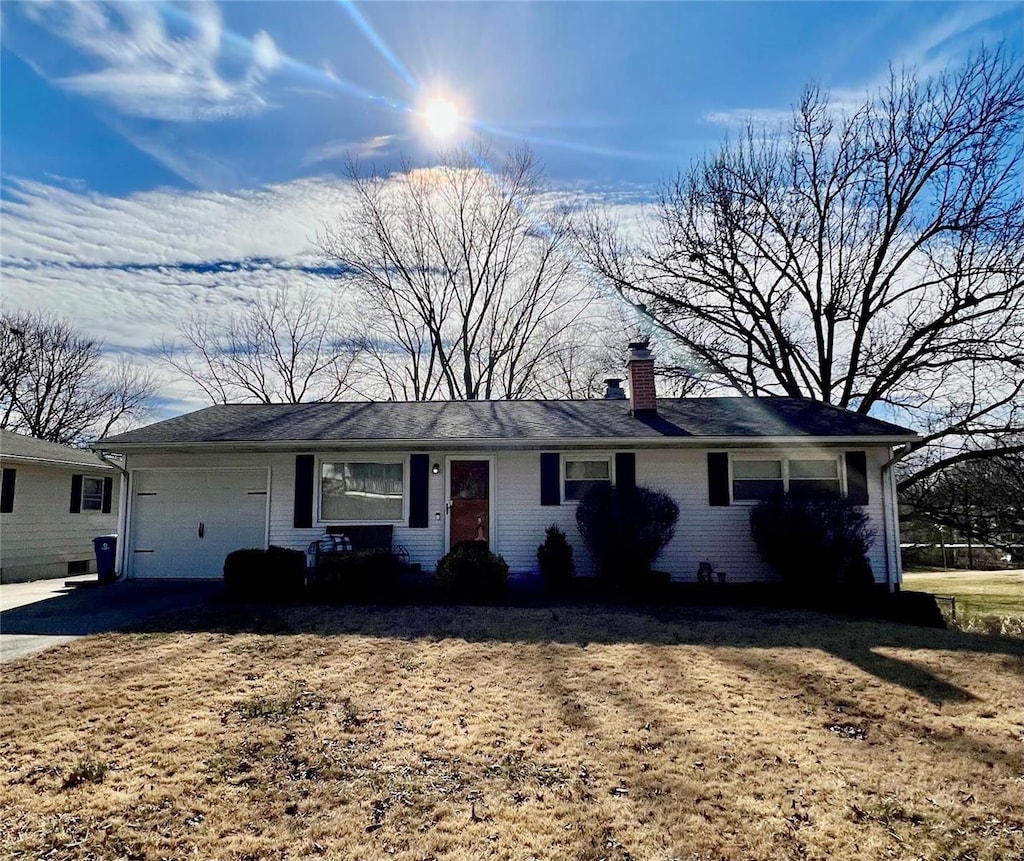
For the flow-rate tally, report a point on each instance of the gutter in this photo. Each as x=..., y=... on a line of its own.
x=102, y=455
x=890, y=517
x=122, y=512
x=520, y=444
x=49, y=461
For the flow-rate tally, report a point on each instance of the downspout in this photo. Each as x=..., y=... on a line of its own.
x=122, y=511
x=891, y=519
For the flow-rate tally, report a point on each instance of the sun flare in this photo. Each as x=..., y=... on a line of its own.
x=441, y=118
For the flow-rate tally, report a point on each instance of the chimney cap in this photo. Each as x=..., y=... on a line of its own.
x=614, y=391
x=639, y=352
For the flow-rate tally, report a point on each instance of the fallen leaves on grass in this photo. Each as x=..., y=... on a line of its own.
x=416, y=733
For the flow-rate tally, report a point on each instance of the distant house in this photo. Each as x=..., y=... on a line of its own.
x=439, y=472
x=53, y=501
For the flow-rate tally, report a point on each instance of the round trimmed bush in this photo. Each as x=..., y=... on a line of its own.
x=471, y=572
x=625, y=530
x=261, y=574
x=814, y=542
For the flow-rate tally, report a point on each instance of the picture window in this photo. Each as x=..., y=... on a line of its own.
x=362, y=490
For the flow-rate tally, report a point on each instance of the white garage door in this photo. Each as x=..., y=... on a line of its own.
x=184, y=522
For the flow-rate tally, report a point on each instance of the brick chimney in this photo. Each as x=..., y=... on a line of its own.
x=642, y=396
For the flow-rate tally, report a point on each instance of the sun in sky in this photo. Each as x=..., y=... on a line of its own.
x=440, y=117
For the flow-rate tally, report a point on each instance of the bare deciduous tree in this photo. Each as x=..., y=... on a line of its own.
x=286, y=346
x=869, y=258
x=981, y=500
x=469, y=290
x=55, y=384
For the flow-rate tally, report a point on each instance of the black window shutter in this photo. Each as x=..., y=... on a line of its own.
x=76, y=494
x=550, y=478
x=625, y=469
x=718, y=478
x=7, y=491
x=857, y=477
x=419, y=487
x=303, y=518
x=108, y=492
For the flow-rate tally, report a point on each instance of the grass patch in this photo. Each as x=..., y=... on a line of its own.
x=507, y=733
x=986, y=601
x=85, y=770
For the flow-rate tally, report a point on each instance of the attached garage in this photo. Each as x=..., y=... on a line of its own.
x=185, y=521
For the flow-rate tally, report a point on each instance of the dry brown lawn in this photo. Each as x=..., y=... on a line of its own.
x=575, y=733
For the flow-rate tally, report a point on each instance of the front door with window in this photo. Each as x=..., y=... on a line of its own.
x=469, y=507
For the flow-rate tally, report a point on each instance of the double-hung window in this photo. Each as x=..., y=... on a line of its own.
x=756, y=479
x=762, y=478
x=814, y=476
x=362, y=490
x=582, y=473
x=92, y=493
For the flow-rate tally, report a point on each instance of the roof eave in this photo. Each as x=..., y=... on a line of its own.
x=496, y=444
x=48, y=461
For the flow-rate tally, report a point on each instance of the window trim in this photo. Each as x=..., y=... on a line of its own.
x=341, y=457
x=608, y=457
x=81, y=497
x=838, y=458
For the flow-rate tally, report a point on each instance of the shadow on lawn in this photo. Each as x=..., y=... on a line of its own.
x=136, y=607
x=855, y=640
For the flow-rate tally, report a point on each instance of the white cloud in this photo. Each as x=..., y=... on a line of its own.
x=127, y=269
x=265, y=55
x=147, y=72
x=735, y=118
x=340, y=149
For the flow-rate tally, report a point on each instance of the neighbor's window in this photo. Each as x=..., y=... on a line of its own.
x=581, y=475
x=361, y=490
x=761, y=479
x=92, y=494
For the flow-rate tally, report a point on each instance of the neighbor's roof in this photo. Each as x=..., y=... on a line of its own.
x=546, y=422
x=17, y=448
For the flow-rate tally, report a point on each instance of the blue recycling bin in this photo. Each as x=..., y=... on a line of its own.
x=106, y=552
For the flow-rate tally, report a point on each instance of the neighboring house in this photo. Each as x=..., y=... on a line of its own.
x=249, y=475
x=53, y=501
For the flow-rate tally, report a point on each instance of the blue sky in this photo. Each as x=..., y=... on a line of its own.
x=166, y=136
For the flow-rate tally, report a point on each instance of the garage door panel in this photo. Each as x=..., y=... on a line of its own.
x=169, y=507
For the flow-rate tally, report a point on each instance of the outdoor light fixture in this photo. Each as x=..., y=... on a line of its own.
x=436, y=468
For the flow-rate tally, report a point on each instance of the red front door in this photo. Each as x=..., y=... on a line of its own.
x=470, y=511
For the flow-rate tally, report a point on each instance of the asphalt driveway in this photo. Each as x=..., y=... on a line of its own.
x=35, y=616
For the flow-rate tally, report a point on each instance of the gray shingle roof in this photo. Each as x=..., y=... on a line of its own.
x=508, y=421
x=16, y=447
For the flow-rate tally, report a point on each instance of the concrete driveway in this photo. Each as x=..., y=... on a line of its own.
x=35, y=616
